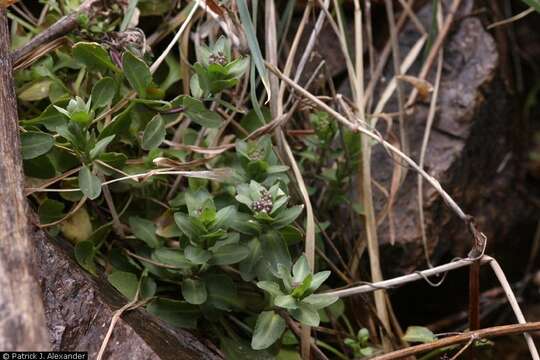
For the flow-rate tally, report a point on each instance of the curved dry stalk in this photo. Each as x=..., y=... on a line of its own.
x=155, y=65
x=425, y=140
x=462, y=338
x=365, y=129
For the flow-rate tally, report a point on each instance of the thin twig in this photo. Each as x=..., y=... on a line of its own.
x=458, y=339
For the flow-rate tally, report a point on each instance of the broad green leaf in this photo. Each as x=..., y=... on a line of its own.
x=268, y=329
x=306, y=314
x=197, y=255
x=103, y=93
x=89, y=183
x=318, y=279
x=230, y=254
x=144, y=230
x=36, y=91
x=40, y=167
x=319, y=301
x=533, y=3
x=125, y=282
x=247, y=266
x=101, y=146
x=154, y=133
x=77, y=227
x=197, y=201
x=137, y=73
x=177, y=313
x=148, y=288
x=419, y=334
x=35, y=144
x=270, y=287
x=171, y=257
x=245, y=224
x=286, y=302
x=84, y=254
x=301, y=269
x=94, y=56
x=50, y=211
x=50, y=118
x=189, y=226
x=275, y=251
x=222, y=292
x=197, y=112
x=287, y=216
x=224, y=217
x=194, y=291
x=119, y=125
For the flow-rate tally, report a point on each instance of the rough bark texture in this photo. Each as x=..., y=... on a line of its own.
x=468, y=143
x=22, y=325
x=79, y=309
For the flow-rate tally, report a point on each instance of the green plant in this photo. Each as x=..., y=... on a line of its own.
x=361, y=345
x=194, y=252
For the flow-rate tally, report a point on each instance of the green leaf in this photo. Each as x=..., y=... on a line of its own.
x=275, y=251
x=318, y=279
x=319, y=301
x=103, y=93
x=94, y=56
x=120, y=124
x=50, y=211
x=533, y=3
x=287, y=216
x=177, y=313
x=137, y=73
x=247, y=266
x=100, y=147
x=419, y=334
x=148, y=288
x=230, y=254
x=268, y=329
x=306, y=314
x=89, y=183
x=197, y=112
x=35, y=144
x=270, y=287
x=194, y=291
x=125, y=282
x=286, y=302
x=238, y=349
x=40, y=167
x=224, y=217
x=336, y=310
x=84, y=254
x=222, y=292
x=144, y=230
x=197, y=255
x=36, y=91
x=189, y=226
x=171, y=257
x=154, y=133
x=245, y=224
x=301, y=269
x=253, y=43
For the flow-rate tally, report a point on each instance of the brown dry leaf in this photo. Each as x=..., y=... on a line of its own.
x=6, y=3
x=215, y=7
x=423, y=87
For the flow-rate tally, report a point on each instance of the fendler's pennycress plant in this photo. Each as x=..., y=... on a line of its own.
x=201, y=253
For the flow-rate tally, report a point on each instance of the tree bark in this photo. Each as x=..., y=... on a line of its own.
x=22, y=325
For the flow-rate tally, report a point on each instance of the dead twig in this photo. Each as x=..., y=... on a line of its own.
x=462, y=338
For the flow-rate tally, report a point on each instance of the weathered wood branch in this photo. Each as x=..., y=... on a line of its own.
x=22, y=322
x=58, y=29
